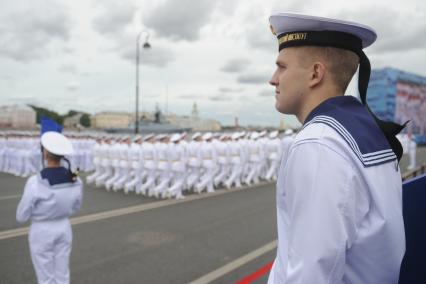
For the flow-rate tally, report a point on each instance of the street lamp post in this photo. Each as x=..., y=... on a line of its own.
x=146, y=45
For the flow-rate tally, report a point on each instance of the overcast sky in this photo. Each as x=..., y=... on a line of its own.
x=220, y=54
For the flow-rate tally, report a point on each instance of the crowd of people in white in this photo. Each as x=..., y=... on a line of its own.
x=20, y=152
x=164, y=165
x=158, y=165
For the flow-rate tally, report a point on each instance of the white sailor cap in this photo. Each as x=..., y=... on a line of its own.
x=160, y=137
x=302, y=30
x=263, y=133
x=223, y=136
x=56, y=143
x=196, y=135
x=149, y=136
x=137, y=138
x=235, y=136
x=207, y=136
x=288, y=132
x=273, y=134
x=124, y=137
x=175, y=137
x=254, y=135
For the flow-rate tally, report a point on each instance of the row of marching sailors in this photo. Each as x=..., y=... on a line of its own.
x=165, y=166
x=20, y=153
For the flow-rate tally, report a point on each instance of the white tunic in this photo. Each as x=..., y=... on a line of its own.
x=339, y=221
x=42, y=202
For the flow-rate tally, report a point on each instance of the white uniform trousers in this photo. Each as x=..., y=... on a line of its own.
x=117, y=174
x=176, y=185
x=222, y=175
x=136, y=182
x=163, y=183
x=148, y=185
x=103, y=177
x=254, y=172
x=123, y=179
x=50, y=247
x=98, y=172
x=273, y=170
x=235, y=177
x=206, y=180
x=193, y=177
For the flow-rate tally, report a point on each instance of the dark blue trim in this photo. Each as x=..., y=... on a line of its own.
x=56, y=175
x=351, y=120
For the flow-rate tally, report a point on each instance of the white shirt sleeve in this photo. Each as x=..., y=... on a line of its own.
x=77, y=203
x=318, y=200
x=25, y=206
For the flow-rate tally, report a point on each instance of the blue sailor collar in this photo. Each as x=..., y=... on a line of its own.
x=56, y=176
x=352, y=121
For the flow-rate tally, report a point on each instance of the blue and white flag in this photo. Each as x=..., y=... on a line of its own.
x=48, y=124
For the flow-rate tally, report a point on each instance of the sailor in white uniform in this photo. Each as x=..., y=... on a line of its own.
x=96, y=155
x=412, y=150
x=254, y=159
x=236, y=153
x=137, y=173
x=274, y=154
x=185, y=146
x=194, y=160
x=163, y=164
x=339, y=192
x=209, y=164
x=177, y=167
x=49, y=198
x=115, y=159
x=2, y=151
x=125, y=164
x=286, y=141
x=106, y=161
x=263, y=154
x=149, y=165
x=223, y=160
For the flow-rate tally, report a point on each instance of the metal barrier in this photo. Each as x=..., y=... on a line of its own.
x=413, y=173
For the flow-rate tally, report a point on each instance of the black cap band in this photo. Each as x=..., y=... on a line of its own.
x=348, y=42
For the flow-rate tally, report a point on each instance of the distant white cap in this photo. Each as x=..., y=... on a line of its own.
x=196, y=135
x=149, y=136
x=175, y=137
x=207, y=136
x=288, y=132
x=263, y=133
x=235, y=136
x=273, y=134
x=161, y=136
x=254, y=135
x=56, y=143
x=137, y=138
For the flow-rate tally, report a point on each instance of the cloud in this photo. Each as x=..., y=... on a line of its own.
x=267, y=93
x=113, y=17
x=180, y=20
x=235, y=65
x=67, y=68
x=27, y=33
x=73, y=86
x=395, y=32
x=189, y=96
x=157, y=56
x=230, y=90
x=218, y=98
x=253, y=78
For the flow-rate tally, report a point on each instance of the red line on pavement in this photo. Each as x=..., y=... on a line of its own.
x=255, y=275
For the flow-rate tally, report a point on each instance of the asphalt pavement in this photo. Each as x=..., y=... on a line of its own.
x=159, y=241
x=177, y=243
